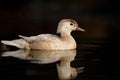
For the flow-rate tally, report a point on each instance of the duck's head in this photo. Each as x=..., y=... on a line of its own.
x=67, y=26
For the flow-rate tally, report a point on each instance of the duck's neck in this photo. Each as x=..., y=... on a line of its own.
x=67, y=37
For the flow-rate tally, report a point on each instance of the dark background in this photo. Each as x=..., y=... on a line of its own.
x=100, y=18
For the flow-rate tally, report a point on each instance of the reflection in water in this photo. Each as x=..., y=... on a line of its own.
x=65, y=71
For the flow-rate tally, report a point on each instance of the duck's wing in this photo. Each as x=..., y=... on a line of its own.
x=41, y=37
x=48, y=38
x=28, y=39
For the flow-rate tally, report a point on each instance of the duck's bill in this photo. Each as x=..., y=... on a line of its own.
x=79, y=29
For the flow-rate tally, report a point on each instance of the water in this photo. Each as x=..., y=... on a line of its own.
x=92, y=60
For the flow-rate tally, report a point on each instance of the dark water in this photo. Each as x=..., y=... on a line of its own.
x=93, y=60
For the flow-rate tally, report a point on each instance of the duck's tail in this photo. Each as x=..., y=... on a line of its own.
x=19, y=43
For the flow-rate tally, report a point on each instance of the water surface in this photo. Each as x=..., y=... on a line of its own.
x=90, y=61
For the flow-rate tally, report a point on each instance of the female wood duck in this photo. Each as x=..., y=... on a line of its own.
x=49, y=41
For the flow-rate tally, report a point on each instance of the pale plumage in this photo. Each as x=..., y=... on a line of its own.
x=50, y=41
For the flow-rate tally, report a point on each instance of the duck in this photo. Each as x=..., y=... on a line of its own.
x=64, y=41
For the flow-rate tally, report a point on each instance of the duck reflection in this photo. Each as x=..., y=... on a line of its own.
x=65, y=71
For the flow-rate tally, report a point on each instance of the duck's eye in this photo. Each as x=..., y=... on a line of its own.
x=71, y=24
